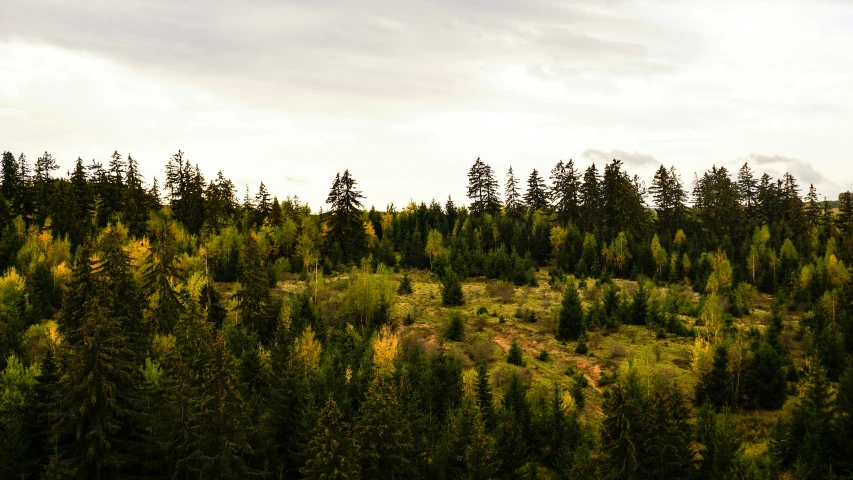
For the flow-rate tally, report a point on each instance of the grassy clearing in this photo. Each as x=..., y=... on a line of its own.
x=492, y=324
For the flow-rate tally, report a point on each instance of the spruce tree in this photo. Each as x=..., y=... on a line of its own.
x=254, y=294
x=485, y=399
x=451, y=289
x=332, y=453
x=161, y=275
x=565, y=191
x=536, y=197
x=345, y=226
x=383, y=433
x=718, y=435
x=483, y=189
x=514, y=356
x=92, y=412
x=513, y=197
x=715, y=386
x=571, y=323
x=590, y=199
x=405, y=287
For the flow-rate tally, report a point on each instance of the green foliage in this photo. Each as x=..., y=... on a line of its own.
x=571, y=321
x=451, y=289
x=405, y=287
x=383, y=433
x=455, y=329
x=332, y=453
x=514, y=357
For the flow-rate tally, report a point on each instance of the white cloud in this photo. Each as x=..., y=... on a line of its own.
x=408, y=95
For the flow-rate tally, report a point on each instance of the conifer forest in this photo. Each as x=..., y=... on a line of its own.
x=573, y=322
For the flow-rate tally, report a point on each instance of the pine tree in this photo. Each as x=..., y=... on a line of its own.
x=571, y=323
x=811, y=208
x=590, y=199
x=161, y=275
x=845, y=212
x=748, y=186
x=803, y=440
x=122, y=296
x=11, y=181
x=483, y=189
x=484, y=397
x=721, y=444
x=263, y=207
x=715, y=386
x=513, y=198
x=344, y=217
x=669, y=197
x=536, y=197
x=565, y=191
x=254, y=294
x=383, y=433
x=92, y=413
x=332, y=454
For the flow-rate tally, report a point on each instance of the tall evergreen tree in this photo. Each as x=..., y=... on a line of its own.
x=92, y=413
x=345, y=226
x=571, y=323
x=513, y=198
x=383, y=433
x=565, y=191
x=536, y=197
x=254, y=294
x=332, y=453
x=483, y=189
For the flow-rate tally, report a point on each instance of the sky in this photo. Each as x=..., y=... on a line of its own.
x=407, y=94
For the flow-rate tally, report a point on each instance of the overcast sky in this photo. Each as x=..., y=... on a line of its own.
x=407, y=94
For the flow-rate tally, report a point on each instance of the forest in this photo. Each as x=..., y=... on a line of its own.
x=580, y=324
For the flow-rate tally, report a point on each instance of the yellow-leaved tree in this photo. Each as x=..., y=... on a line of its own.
x=386, y=347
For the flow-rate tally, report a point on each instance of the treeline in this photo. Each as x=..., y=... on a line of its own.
x=122, y=357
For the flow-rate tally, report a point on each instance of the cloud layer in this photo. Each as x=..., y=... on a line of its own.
x=407, y=95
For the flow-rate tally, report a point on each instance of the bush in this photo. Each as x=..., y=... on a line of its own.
x=525, y=314
x=455, y=329
x=408, y=319
x=543, y=356
x=607, y=379
x=482, y=311
x=502, y=290
x=581, y=348
x=514, y=357
x=501, y=319
x=617, y=349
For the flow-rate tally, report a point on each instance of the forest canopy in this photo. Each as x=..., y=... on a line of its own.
x=573, y=324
